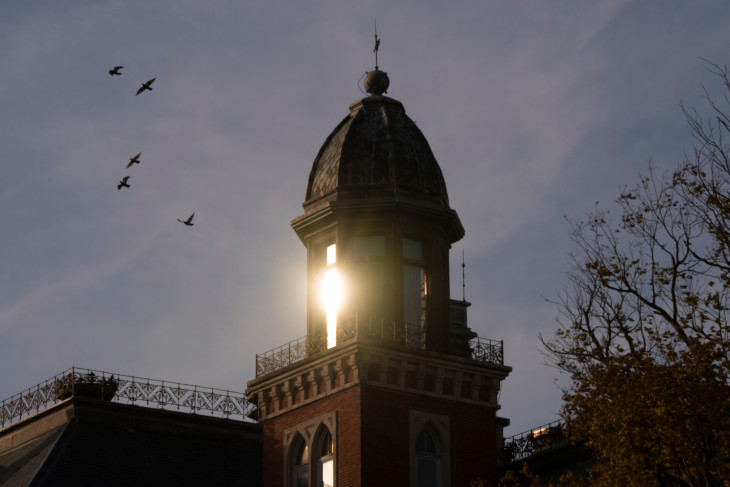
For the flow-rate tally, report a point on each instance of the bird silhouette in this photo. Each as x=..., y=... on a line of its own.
x=116, y=70
x=189, y=221
x=146, y=86
x=123, y=183
x=133, y=160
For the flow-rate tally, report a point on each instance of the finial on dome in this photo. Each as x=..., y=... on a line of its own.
x=376, y=81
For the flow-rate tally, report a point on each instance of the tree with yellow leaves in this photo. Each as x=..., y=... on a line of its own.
x=643, y=326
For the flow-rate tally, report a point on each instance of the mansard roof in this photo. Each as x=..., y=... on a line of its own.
x=93, y=442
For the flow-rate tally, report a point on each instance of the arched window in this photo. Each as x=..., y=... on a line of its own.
x=326, y=466
x=309, y=459
x=300, y=464
x=428, y=460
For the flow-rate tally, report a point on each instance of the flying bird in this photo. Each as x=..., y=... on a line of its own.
x=123, y=183
x=189, y=221
x=146, y=86
x=116, y=70
x=133, y=160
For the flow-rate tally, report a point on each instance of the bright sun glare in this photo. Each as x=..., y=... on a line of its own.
x=332, y=289
x=332, y=294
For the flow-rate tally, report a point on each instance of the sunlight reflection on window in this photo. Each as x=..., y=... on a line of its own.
x=332, y=293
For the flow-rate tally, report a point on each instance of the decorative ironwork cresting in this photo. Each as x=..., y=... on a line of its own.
x=124, y=389
x=397, y=335
x=519, y=447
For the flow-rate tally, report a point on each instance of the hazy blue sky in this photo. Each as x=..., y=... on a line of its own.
x=534, y=110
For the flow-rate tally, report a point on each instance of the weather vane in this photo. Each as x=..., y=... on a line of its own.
x=376, y=81
x=377, y=44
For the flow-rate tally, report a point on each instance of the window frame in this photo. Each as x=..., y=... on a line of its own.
x=427, y=456
x=312, y=433
x=323, y=434
x=421, y=326
x=370, y=301
x=439, y=428
x=299, y=445
x=317, y=267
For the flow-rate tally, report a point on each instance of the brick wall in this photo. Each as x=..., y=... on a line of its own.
x=386, y=437
x=372, y=444
x=347, y=443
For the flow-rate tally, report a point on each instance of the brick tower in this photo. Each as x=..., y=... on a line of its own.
x=389, y=386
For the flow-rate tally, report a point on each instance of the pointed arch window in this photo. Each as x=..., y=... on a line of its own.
x=310, y=451
x=326, y=466
x=428, y=459
x=300, y=464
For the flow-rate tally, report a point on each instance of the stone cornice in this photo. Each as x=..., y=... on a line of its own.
x=433, y=375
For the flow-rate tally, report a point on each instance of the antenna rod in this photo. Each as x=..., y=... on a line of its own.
x=377, y=44
x=463, y=277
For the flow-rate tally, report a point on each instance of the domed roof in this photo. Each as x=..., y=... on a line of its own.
x=376, y=152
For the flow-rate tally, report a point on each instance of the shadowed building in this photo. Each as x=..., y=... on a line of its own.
x=547, y=452
x=83, y=428
x=389, y=386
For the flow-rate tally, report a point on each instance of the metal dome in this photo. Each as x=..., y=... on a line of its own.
x=376, y=152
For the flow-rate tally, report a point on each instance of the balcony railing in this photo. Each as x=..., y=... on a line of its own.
x=521, y=446
x=404, y=336
x=124, y=389
x=487, y=351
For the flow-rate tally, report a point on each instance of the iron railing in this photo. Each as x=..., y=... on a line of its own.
x=411, y=337
x=521, y=446
x=487, y=351
x=124, y=389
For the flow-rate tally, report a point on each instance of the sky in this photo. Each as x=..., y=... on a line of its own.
x=534, y=110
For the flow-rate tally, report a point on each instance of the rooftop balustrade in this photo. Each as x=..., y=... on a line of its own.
x=409, y=337
x=523, y=445
x=124, y=389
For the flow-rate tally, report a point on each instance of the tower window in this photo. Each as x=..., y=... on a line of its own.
x=332, y=291
x=430, y=455
x=368, y=246
x=412, y=249
x=300, y=465
x=310, y=458
x=415, y=292
x=326, y=468
x=369, y=271
x=428, y=460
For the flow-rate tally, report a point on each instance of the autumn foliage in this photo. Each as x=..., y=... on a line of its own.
x=644, y=332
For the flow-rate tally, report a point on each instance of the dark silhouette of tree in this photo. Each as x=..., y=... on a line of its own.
x=643, y=324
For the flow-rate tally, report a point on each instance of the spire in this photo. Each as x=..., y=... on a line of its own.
x=377, y=45
x=376, y=82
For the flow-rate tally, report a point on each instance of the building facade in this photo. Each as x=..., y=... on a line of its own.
x=389, y=386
